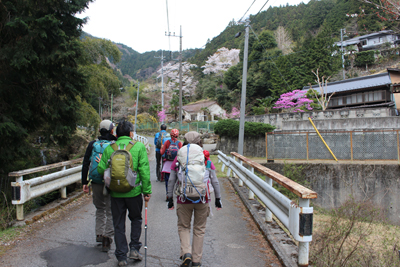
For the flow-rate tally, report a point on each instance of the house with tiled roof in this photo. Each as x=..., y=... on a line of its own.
x=362, y=92
x=371, y=41
x=204, y=110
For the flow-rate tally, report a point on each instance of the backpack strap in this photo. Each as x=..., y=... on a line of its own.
x=114, y=145
x=129, y=146
x=208, y=166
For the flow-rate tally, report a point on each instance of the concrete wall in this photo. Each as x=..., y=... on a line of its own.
x=252, y=147
x=335, y=183
x=352, y=119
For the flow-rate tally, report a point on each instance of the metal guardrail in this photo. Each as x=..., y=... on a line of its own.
x=143, y=140
x=298, y=219
x=23, y=191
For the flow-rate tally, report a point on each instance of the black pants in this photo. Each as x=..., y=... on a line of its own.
x=158, y=160
x=134, y=205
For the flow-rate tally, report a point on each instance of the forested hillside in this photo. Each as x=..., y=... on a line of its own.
x=286, y=44
x=142, y=66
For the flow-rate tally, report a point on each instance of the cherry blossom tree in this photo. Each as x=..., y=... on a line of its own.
x=221, y=61
x=162, y=115
x=171, y=72
x=295, y=101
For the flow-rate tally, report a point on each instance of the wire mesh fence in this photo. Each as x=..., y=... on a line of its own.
x=345, y=145
x=198, y=126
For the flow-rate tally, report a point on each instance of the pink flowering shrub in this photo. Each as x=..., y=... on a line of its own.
x=161, y=115
x=295, y=101
x=235, y=113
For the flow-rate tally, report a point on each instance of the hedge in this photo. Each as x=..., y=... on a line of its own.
x=230, y=128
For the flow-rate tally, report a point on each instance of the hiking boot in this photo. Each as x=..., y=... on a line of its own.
x=187, y=260
x=198, y=264
x=122, y=263
x=106, y=244
x=99, y=238
x=135, y=255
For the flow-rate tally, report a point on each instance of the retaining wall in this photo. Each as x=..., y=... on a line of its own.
x=335, y=183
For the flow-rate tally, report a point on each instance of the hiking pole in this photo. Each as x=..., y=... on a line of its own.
x=145, y=233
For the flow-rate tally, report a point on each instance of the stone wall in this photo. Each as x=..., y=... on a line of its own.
x=351, y=119
x=335, y=183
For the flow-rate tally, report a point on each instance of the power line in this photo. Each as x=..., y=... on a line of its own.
x=247, y=10
x=262, y=7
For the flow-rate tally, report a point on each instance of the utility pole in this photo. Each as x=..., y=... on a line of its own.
x=111, y=104
x=180, y=75
x=243, y=97
x=341, y=39
x=137, y=103
x=162, y=82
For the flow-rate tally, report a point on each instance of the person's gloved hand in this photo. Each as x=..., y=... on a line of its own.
x=171, y=203
x=218, y=203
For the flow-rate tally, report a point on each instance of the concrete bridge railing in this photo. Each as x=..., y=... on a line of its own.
x=25, y=190
x=298, y=219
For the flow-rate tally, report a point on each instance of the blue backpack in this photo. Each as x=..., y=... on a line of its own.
x=98, y=148
x=172, y=150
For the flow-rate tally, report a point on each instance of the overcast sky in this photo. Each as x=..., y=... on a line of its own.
x=142, y=24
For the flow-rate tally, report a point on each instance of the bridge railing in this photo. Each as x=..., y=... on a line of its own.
x=298, y=219
x=25, y=190
x=143, y=140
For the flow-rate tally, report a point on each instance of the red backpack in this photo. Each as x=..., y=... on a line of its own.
x=172, y=150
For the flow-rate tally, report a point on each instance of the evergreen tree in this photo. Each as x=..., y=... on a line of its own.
x=39, y=76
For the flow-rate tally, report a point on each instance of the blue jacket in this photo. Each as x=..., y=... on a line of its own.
x=156, y=138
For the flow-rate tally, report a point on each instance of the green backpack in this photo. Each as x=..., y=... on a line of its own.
x=122, y=178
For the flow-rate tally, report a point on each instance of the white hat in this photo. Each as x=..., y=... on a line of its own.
x=106, y=124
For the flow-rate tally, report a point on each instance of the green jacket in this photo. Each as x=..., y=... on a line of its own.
x=140, y=165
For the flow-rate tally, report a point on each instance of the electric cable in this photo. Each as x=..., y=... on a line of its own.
x=247, y=11
x=262, y=7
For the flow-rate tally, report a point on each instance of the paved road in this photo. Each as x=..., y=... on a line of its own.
x=232, y=238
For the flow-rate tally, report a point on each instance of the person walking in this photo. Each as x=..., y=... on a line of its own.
x=158, y=143
x=103, y=222
x=132, y=200
x=191, y=254
x=169, y=151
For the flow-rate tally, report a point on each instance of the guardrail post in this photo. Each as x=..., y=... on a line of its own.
x=20, y=207
x=303, y=246
x=240, y=181
x=251, y=194
x=63, y=190
x=268, y=213
x=20, y=212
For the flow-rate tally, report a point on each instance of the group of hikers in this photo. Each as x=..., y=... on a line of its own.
x=117, y=170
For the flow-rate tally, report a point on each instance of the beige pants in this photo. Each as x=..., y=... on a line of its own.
x=184, y=212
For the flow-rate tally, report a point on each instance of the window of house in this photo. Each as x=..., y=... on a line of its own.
x=353, y=99
x=363, y=42
x=348, y=99
x=340, y=101
x=359, y=98
x=378, y=96
x=193, y=117
x=380, y=39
